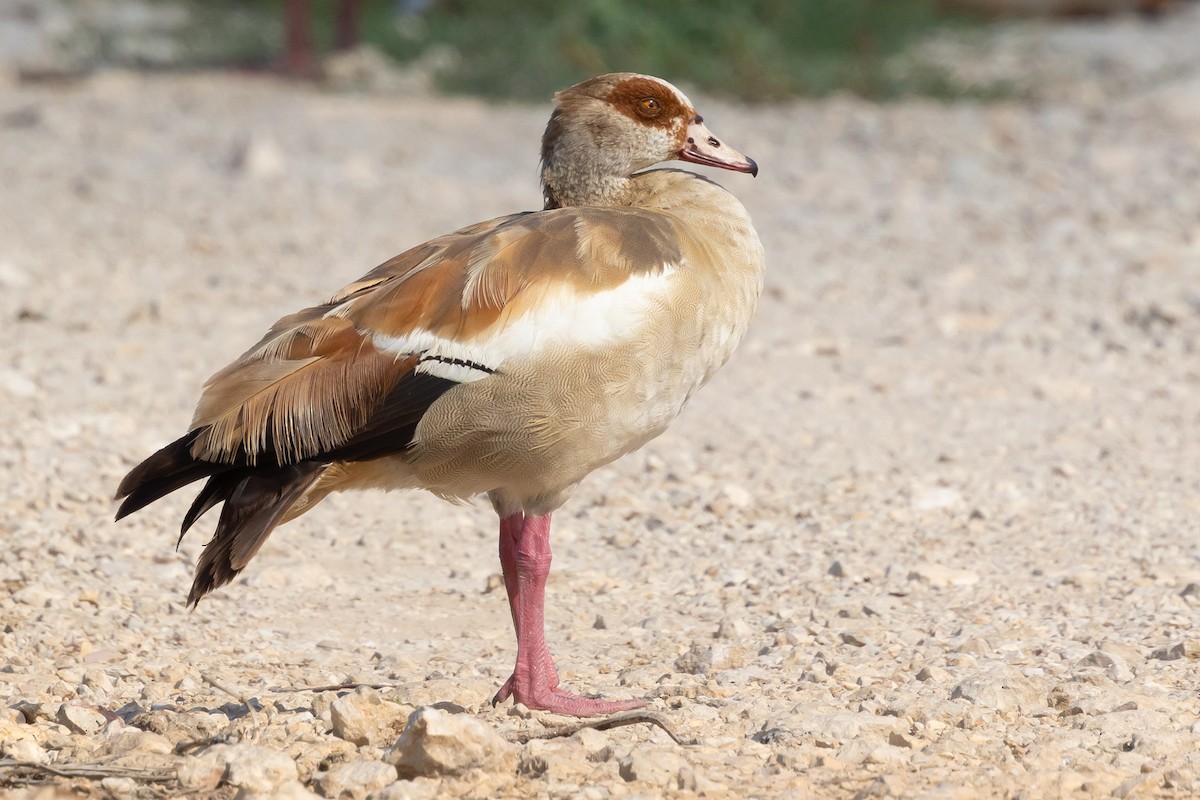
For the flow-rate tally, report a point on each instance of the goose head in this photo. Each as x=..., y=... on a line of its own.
x=605, y=129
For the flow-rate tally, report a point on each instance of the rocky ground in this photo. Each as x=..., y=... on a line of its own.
x=933, y=533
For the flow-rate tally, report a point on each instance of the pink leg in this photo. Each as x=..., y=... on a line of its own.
x=510, y=537
x=510, y=534
x=525, y=560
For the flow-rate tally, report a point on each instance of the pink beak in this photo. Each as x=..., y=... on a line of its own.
x=704, y=148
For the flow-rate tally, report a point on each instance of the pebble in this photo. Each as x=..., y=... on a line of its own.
x=436, y=742
x=260, y=157
x=12, y=276
x=935, y=498
x=416, y=789
x=932, y=673
x=356, y=779
x=1188, y=648
x=203, y=772
x=596, y=744
x=702, y=659
x=257, y=769
x=16, y=384
x=119, y=786
x=1110, y=663
x=658, y=766
x=24, y=750
x=998, y=691
x=364, y=717
x=80, y=719
x=732, y=628
x=940, y=576
x=125, y=741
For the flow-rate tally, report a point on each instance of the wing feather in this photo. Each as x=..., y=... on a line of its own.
x=338, y=380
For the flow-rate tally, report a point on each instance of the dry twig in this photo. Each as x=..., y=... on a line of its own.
x=333, y=687
x=255, y=729
x=615, y=721
x=90, y=771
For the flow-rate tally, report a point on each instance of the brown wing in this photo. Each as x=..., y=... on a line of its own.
x=320, y=377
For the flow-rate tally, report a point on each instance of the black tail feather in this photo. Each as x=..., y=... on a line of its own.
x=218, y=488
x=171, y=468
x=256, y=490
x=255, y=498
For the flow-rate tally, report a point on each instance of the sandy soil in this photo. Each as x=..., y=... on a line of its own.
x=933, y=533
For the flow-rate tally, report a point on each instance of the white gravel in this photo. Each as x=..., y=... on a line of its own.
x=933, y=533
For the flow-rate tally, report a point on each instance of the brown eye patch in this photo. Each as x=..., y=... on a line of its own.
x=648, y=102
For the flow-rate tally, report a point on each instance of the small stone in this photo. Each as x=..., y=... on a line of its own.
x=1110, y=663
x=657, y=766
x=939, y=576
x=32, y=711
x=932, y=673
x=1084, y=579
x=259, y=157
x=259, y=769
x=119, y=787
x=856, y=751
x=80, y=719
x=1170, y=652
x=16, y=384
x=202, y=773
x=974, y=646
x=12, y=276
x=737, y=496
x=438, y=743
x=880, y=606
x=1095, y=658
x=416, y=789
x=832, y=729
x=1001, y=692
x=25, y=750
x=935, y=498
x=356, y=779
x=364, y=717
x=836, y=570
x=531, y=765
x=125, y=740
x=732, y=628
x=887, y=755
x=595, y=743
x=1120, y=673
x=705, y=659
x=291, y=790
x=520, y=711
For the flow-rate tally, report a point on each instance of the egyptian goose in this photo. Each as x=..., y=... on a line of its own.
x=510, y=358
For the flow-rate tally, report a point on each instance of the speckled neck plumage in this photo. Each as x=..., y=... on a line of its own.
x=577, y=170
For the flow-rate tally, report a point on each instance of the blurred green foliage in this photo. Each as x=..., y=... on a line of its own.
x=754, y=50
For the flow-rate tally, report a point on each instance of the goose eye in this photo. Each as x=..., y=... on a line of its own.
x=649, y=107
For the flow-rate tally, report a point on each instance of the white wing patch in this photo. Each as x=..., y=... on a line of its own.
x=456, y=370
x=562, y=317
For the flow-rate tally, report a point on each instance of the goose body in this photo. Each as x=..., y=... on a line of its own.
x=510, y=358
